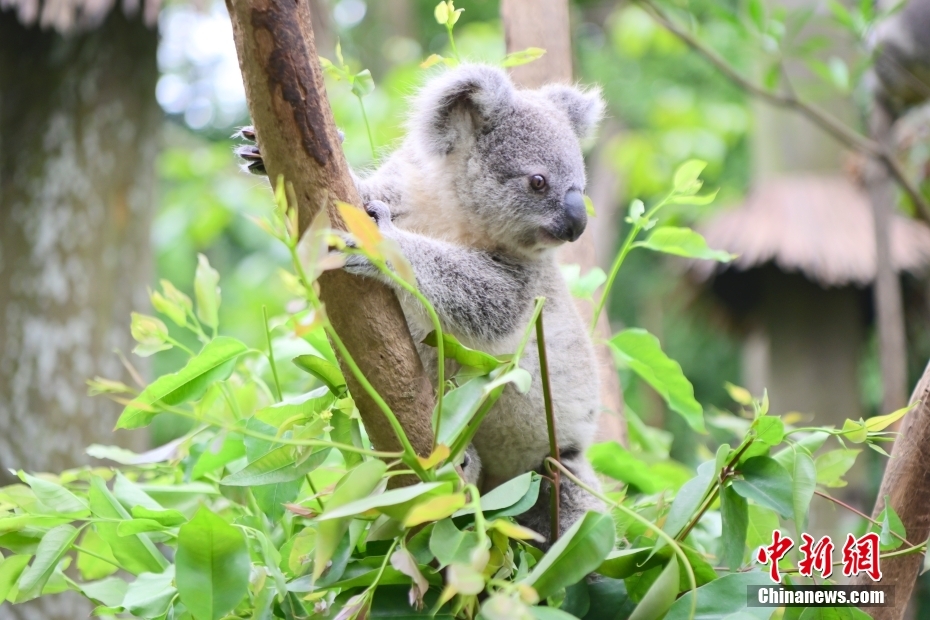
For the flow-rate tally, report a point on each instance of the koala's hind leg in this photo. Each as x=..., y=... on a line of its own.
x=574, y=501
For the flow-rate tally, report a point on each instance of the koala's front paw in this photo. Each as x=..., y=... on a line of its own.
x=380, y=213
x=358, y=264
x=250, y=154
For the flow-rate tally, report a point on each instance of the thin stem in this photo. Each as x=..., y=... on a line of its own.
x=94, y=554
x=371, y=139
x=316, y=494
x=176, y=343
x=676, y=547
x=274, y=367
x=861, y=514
x=550, y=424
x=455, y=52
x=822, y=119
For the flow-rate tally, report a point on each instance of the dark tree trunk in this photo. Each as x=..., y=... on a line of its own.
x=78, y=139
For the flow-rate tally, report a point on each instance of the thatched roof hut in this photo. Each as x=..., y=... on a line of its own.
x=820, y=227
x=799, y=289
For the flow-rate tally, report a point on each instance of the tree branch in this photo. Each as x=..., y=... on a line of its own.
x=287, y=99
x=822, y=119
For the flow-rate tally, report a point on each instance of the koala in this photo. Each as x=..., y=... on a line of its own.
x=487, y=184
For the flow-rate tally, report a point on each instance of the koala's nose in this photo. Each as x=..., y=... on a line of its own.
x=576, y=216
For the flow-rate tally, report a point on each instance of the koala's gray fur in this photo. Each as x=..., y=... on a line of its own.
x=456, y=197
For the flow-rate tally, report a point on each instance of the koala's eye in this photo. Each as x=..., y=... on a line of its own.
x=466, y=461
x=538, y=182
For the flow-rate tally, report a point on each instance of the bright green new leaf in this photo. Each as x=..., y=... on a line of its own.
x=688, y=500
x=833, y=465
x=660, y=596
x=506, y=495
x=453, y=349
x=734, y=512
x=324, y=370
x=53, y=496
x=150, y=594
x=137, y=554
x=275, y=467
x=10, y=570
x=381, y=500
x=582, y=287
x=214, y=363
x=686, y=176
x=722, y=598
x=92, y=567
x=55, y=544
x=769, y=429
x=682, y=242
x=362, y=83
x=356, y=484
x=212, y=565
x=207, y=292
x=889, y=528
x=109, y=592
x=612, y=459
x=767, y=483
x=523, y=57
x=577, y=553
x=855, y=432
x=642, y=352
x=881, y=422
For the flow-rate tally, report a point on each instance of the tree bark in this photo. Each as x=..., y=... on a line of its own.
x=889, y=308
x=906, y=483
x=294, y=123
x=78, y=140
x=545, y=24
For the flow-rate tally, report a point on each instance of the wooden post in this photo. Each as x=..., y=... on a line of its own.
x=294, y=123
x=545, y=24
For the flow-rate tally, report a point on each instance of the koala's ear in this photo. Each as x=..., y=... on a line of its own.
x=462, y=101
x=584, y=108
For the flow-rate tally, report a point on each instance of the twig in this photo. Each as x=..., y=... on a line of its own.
x=861, y=514
x=271, y=362
x=825, y=121
x=550, y=424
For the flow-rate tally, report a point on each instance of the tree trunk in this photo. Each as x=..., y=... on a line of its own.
x=907, y=484
x=287, y=99
x=78, y=139
x=545, y=24
x=889, y=308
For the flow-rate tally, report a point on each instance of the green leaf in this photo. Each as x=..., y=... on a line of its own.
x=757, y=14
x=10, y=570
x=767, y=483
x=660, y=596
x=582, y=287
x=522, y=57
x=577, y=552
x=682, y=242
x=642, y=352
x=150, y=595
x=612, y=459
x=214, y=363
x=90, y=566
x=762, y=522
x=362, y=83
x=831, y=466
x=722, y=598
x=769, y=429
x=324, y=370
x=441, y=13
x=356, y=484
x=459, y=407
x=622, y=563
x=381, y=500
x=688, y=499
x=804, y=482
x=686, y=176
x=54, y=496
x=109, y=592
x=506, y=495
x=137, y=554
x=735, y=515
x=168, y=518
x=889, y=524
x=212, y=566
x=453, y=349
x=55, y=544
x=448, y=544
x=275, y=467
x=881, y=422
x=207, y=292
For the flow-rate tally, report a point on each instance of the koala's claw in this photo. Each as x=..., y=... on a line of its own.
x=250, y=154
x=379, y=212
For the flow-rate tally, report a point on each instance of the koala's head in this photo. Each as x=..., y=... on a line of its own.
x=512, y=156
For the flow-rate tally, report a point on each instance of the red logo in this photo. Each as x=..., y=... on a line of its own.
x=775, y=552
x=860, y=555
